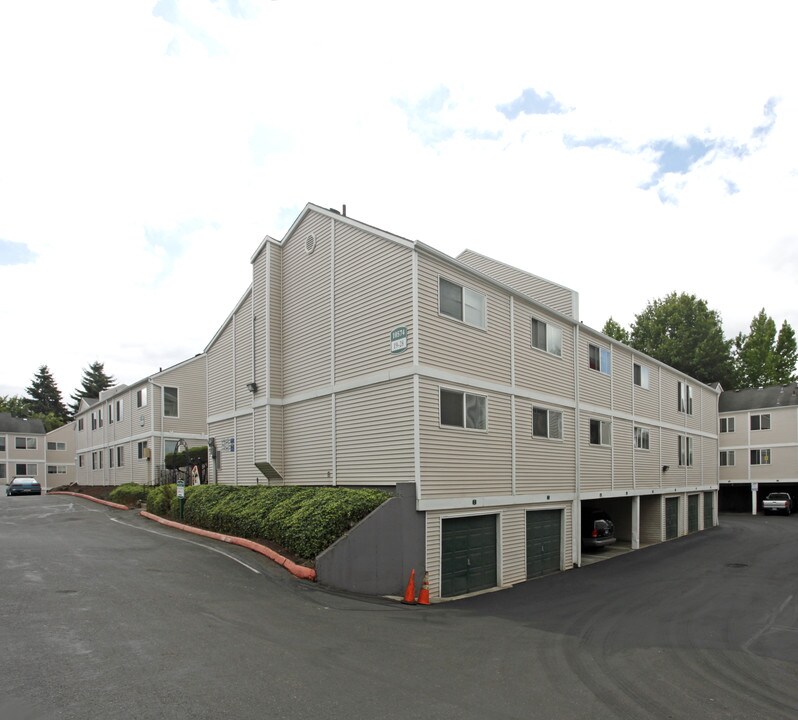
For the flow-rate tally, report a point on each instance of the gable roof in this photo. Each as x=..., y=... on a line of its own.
x=11, y=424
x=756, y=398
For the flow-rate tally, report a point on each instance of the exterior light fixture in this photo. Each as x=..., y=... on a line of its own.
x=252, y=387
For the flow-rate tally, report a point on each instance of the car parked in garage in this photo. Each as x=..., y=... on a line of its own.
x=22, y=485
x=598, y=530
x=777, y=502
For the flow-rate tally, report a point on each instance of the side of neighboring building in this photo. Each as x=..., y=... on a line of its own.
x=61, y=456
x=23, y=448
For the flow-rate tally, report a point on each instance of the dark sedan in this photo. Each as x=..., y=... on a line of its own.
x=24, y=486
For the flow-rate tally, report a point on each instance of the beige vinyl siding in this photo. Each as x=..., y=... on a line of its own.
x=247, y=473
x=623, y=450
x=141, y=469
x=709, y=411
x=647, y=462
x=670, y=457
x=544, y=464
x=669, y=400
x=308, y=442
x=622, y=380
x=374, y=434
x=738, y=471
x=260, y=309
x=646, y=400
x=782, y=426
x=652, y=519
x=543, y=291
x=221, y=373
x=537, y=369
x=373, y=295
x=740, y=434
x=452, y=345
x=695, y=474
x=261, y=439
x=190, y=379
x=457, y=462
x=596, y=460
x=243, y=354
x=594, y=386
x=276, y=444
x=306, y=307
x=275, y=321
x=226, y=467
x=783, y=464
x=709, y=460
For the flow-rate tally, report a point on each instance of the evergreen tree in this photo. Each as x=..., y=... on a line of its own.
x=93, y=383
x=786, y=355
x=764, y=358
x=616, y=331
x=45, y=397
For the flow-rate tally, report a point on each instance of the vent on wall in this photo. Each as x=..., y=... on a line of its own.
x=310, y=243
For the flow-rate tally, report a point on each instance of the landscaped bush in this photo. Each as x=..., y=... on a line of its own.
x=303, y=520
x=128, y=494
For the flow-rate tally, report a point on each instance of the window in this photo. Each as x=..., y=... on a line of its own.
x=685, y=451
x=726, y=458
x=94, y=421
x=3, y=475
x=461, y=409
x=170, y=402
x=546, y=337
x=120, y=410
x=27, y=469
x=461, y=303
x=600, y=432
x=110, y=414
x=641, y=438
x=141, y=397
x=80, y=423
x=110, y=457
x=2, y=443
x=120, y=456
x=760, y=422
x=599, y=358
x=142, y=447
x=100, y=417
x=727, y=425
x=56, y=469
x=99, y=460
x=760, y=457
x=25, y=443
x=80, y=460
x=641, y=376
x=94, y=461
x=546, y=423
x=684, y=398
x=56, y=445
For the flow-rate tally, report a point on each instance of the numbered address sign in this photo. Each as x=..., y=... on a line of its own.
x=399, y=340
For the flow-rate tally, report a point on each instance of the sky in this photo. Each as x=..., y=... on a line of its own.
x=625, y=150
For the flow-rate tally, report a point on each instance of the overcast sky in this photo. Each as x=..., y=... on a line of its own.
x=624, y=150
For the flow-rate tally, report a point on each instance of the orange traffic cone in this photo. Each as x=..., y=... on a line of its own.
x=410, y=590
x=423, y=596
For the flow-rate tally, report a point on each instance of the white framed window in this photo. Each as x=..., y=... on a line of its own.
x=546, y=337
x=80, y=423
x=2, y=443
x=760, y=422
x=56, y=469
x=760, y=457
x=25, y=443
x=726, y=458
x=94, y=421
x=80, y=460
x=684, y=398
x=642, y=438
x=599, y=359
x=600, y=432
x=27, y=469
x=3, y=471
x=94, y=461
x=110, y=457
x=170, y=402
x=141, y=397
x=463, y=410
x=110, y=414
x=100, y=460
x=727, y=425
x=100, y=417
x=685, y=451
x=461, y=303
x=641, y=374
x=120, y=456
x=142, y=450
x=56, y=445
x=120, y=409
x=546, y=423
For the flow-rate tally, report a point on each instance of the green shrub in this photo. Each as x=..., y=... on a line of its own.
x=196, y=456
x=129, y=494
x=303, y=520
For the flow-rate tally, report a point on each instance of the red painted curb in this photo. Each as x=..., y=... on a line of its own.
x=117, y=506
x=299, y=571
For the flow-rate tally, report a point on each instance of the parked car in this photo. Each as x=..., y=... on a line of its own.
x=780, y=502
x=24, y=486
x=598, y=529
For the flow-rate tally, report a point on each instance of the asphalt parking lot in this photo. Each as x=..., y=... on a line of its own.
x=105, y=615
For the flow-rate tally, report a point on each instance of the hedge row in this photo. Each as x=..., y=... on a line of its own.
x=303, y=520
x=128, y=494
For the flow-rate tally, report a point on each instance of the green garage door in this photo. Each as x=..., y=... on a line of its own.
x=468, y=554
x=692, y=513
x=671, y=518
x=543, y=542
x=708, y=510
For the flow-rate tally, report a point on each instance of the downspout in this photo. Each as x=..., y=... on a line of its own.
x=333, y=448
x=152, y=428
x=577, y=524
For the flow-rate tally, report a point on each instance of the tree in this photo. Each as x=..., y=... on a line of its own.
x=93, y=383
x=45, y=397
x=14, y=405
x=762, y=358
x=616, y=331
x=681, y=331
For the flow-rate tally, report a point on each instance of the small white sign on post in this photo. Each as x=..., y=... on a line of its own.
x=181, y=488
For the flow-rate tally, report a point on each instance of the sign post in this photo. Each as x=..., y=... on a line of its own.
x=181, y=494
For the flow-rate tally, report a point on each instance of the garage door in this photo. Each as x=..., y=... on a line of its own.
x=708, y=510
x=671, y=518
x=692, y=513
x=468, y=554
x=543, y=542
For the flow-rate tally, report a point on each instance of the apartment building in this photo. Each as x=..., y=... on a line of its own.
x=60, y=465
x=23, y=449
x=361, y=358
x=124, y=435
x=758, y=445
